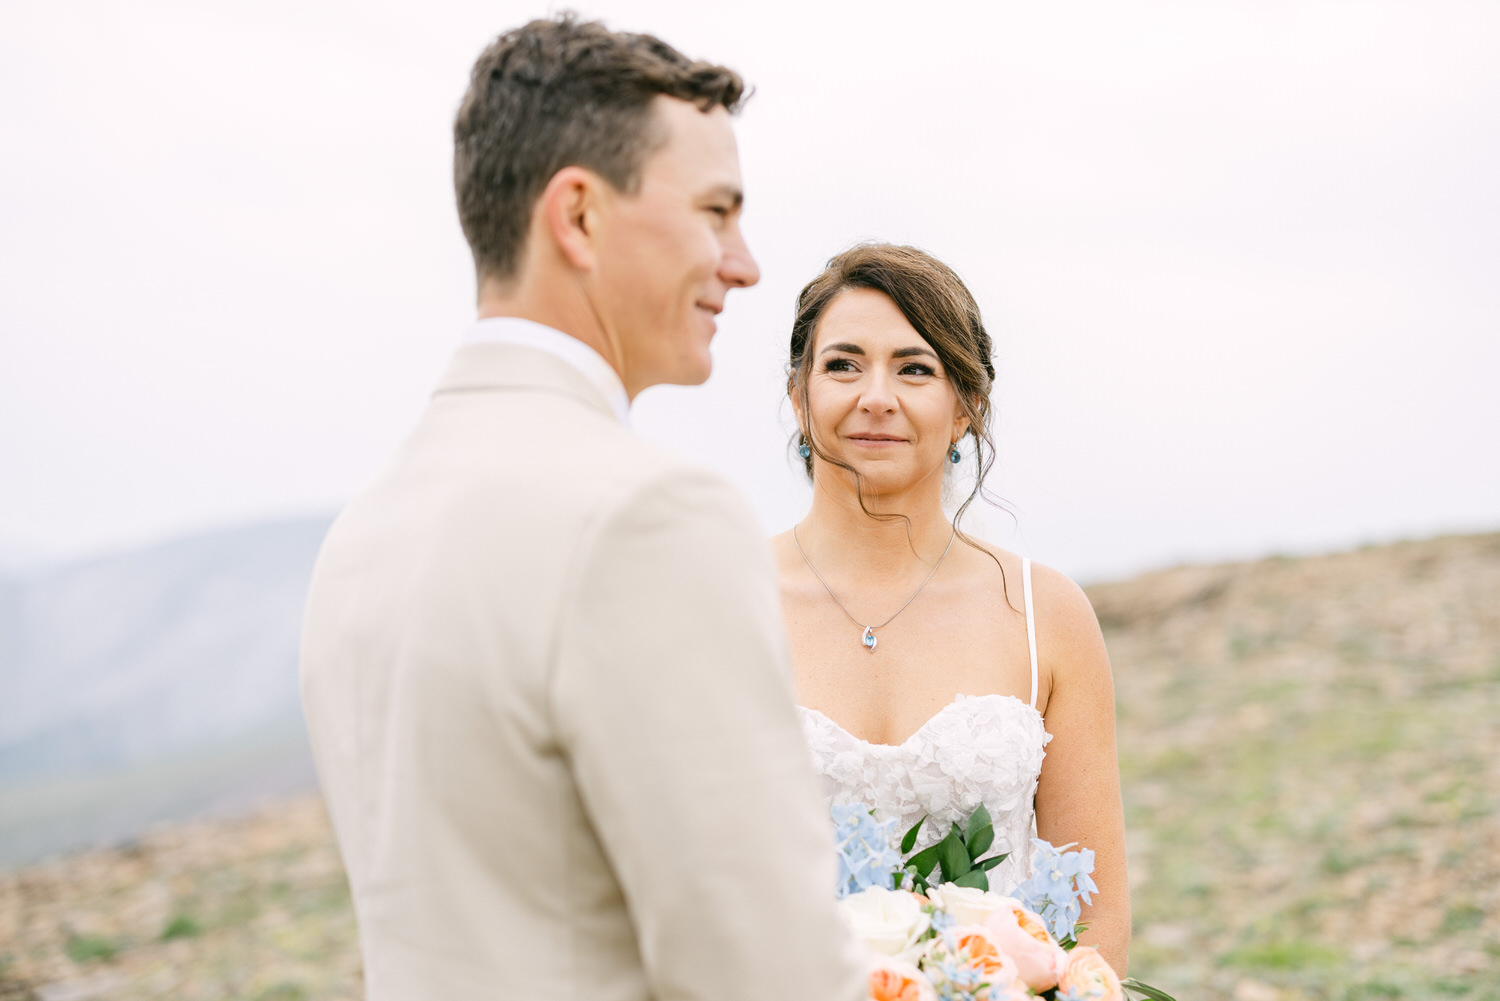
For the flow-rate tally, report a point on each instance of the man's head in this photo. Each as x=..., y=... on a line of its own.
x=608, y=158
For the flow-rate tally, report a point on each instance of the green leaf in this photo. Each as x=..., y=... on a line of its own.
x=975, y=878
x=993, y=861
x=924, y=861
x=978, y=821
x=1146, y=990
x=952, y=857
x=908, y=842
x=980, y=840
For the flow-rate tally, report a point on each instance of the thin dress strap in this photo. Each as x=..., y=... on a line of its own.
x=1030, y=623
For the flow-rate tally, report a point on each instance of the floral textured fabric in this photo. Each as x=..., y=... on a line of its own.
x=977, y=749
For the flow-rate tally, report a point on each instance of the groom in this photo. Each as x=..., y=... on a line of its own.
x=543, y=664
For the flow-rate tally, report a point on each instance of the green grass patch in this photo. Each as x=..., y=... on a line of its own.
x=1462, y=917
x=88, y=948
x=286, y=990
x=1282, y=956
x=181, y=926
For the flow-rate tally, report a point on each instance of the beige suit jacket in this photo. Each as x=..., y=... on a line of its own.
x=543, y=670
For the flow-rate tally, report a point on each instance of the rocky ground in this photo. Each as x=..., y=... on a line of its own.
x=1311, y=756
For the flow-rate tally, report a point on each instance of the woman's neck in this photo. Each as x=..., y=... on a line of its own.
x=838, y=535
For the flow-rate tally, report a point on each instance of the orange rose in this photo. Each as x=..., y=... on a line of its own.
x=979, y=945
x=895, y=980
x=1087, y=975
x=973, y=948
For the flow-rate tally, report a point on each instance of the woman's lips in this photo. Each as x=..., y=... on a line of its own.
x=876, y=441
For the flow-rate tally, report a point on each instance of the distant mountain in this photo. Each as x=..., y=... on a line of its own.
x=169, y=674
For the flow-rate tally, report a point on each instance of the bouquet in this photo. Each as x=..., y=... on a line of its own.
x=935, y=931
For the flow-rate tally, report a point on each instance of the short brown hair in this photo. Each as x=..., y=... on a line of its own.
x=555, y=93
x=936, y=303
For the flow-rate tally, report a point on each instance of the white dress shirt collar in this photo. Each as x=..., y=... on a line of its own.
x=530, y=334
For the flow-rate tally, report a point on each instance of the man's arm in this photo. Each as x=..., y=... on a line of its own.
x=674, y=702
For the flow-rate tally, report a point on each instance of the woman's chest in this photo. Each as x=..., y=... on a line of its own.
x=917, y=664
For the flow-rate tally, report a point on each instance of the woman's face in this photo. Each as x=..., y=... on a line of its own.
x=878, y=397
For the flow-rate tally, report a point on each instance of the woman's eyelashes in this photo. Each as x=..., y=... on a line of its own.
x=910, y=370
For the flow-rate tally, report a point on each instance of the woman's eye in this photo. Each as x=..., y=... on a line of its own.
x=839, y=365
x=915, y=369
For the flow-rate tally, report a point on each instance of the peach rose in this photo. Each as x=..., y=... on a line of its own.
x=1087, y=975
x=978, y=943
x=1023, y=936
x=973, y=947
x=897, y=980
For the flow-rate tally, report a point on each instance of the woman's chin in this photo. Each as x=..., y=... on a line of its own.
x=879, y=479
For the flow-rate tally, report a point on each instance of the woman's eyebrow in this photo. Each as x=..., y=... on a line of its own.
x=845, y=348
x=913, y=352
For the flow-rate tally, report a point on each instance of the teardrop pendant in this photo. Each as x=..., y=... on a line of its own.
x=868, y=639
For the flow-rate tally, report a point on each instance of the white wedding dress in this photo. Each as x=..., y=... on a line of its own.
x=977, y=749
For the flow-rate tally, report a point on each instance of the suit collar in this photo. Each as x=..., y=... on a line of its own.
x=481, y=366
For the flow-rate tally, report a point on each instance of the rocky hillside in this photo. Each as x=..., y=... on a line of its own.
x=151, y=685
x=1311, y=757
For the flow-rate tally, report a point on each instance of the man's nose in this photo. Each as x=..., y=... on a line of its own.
x=738, y=268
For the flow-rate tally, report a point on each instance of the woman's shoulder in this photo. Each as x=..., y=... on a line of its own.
x=784, y=554
x=1063, y=611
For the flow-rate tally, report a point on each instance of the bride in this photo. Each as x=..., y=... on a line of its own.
x=936, y=672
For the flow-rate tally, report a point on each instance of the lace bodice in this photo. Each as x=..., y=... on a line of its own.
x=977, y=749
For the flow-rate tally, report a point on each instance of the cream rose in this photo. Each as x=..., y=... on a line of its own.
x=1087, y=975
x=1023, y=936
x=888, y=921
x=969, y=905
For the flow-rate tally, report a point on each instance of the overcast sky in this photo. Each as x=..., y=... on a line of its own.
x=1240, y=259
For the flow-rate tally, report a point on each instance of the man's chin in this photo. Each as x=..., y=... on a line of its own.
x=695, y=373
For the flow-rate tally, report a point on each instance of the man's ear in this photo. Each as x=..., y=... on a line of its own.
x=569, y=212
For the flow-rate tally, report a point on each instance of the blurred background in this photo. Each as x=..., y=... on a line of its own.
x=1239, y=262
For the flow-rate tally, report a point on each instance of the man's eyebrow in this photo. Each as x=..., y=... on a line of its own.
x=725, y=192
x=845, y=348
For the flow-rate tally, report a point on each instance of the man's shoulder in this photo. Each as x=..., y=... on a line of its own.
x=634, y=473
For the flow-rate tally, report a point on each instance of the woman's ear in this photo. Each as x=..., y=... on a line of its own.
x=960, y=424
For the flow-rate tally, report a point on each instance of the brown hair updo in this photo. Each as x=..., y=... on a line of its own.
x=936, y=303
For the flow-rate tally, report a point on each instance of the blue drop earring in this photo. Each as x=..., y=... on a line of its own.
x=953, y=455
x=804, y=449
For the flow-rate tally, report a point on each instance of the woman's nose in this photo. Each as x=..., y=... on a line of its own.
x=879, y=395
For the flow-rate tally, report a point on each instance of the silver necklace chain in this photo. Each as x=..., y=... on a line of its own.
x=867, y=638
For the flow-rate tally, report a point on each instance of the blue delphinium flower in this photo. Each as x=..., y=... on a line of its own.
x=1059, y=886
x=953, y=980
x=866, y=857
x=942, y=921
x=957, y=983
